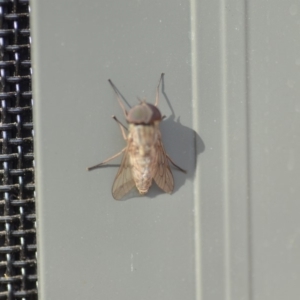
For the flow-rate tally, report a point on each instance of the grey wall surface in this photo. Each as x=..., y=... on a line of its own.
x=231, y=229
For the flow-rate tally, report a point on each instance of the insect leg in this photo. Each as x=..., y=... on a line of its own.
x=106, y=161
x=157, y=89
x=172, y=162
x=118, y=97
x=121, y=127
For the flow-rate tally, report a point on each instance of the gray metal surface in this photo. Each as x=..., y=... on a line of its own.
x=231, y=230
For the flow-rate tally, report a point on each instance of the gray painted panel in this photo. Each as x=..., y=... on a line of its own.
x=274, y=69
x=91, y=246
x=231, y=228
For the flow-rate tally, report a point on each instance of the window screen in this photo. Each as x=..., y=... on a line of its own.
x=18, y=279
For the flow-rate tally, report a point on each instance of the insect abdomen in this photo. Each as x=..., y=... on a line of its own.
x=142, y=139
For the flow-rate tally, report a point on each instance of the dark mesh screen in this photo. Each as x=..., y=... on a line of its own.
x=18, y=277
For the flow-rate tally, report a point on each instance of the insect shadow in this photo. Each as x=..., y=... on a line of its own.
x=182, y=143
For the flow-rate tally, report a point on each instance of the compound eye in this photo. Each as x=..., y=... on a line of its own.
x=143, y=113
x=138, y=114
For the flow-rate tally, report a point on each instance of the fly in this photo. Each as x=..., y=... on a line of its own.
x=144, y=157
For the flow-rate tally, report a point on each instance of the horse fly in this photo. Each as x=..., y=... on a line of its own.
x=144, y=157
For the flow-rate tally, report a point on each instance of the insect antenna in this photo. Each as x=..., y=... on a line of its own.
x=157, y=89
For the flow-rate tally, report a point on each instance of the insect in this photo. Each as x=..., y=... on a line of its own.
x=144, y=157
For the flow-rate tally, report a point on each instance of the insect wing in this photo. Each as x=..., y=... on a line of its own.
x=163, y=175
x=123, y=182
